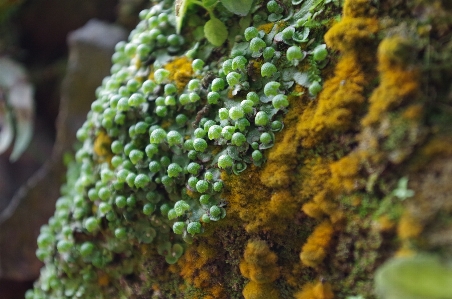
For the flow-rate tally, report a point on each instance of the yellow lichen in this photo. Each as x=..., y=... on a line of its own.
x=399, y=81
x=195, y=270
x=408, y=227
x=259, y=263
x=254, y=290
x=316, y=247
x=260, y=266
x=315, y=290
x=102, y=147
x=180, y=71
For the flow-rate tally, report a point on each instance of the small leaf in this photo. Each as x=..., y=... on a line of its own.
x=180, y=10
x=301, y=37
x=419, y=276
x=216, y=32
x=209, y=3
x=302, y=79
x=21, y=101
x=6, y=127
x=273, y=17
x=238, y=7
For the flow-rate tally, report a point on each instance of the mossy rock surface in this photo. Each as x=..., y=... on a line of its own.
x=294, y=144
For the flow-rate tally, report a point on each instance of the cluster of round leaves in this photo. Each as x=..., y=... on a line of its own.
x=149, y=168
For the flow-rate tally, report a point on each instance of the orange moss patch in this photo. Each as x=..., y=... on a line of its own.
x=279, y=168
x=315, y=290
x=103, y=279
x=350, y=33
x=246, y=193
x=399, y=81
x=408, y=227
x=358, y=8
x=383, y=223
x=266, y=27
x=102, y=147
x=194, y=268
x=345, y=173
x=322, y=205
x=180, y=71
x=343, y=96
x=315, y=249
x=259, y=264
x=254, y=290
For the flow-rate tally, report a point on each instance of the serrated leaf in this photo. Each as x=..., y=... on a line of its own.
x=215, y=32
x=238, y=7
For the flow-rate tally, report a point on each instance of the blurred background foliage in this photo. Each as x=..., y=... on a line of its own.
x=35, y=54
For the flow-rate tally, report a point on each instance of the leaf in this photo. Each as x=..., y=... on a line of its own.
x=209, y=3
x=420, y=277
x=216, y=32
x=302, y=79
x=238, y=7
x=16, y=108
x=301, y=37
x=180, y=8
x=21, y=101
x=6, y=127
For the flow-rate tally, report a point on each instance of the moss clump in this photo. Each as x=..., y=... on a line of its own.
x=305, y=131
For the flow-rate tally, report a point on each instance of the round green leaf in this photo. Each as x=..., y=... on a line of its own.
x=215, y=32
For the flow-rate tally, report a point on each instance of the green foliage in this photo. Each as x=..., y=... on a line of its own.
x=155, y=142
x=216, y=32
x=420, y=277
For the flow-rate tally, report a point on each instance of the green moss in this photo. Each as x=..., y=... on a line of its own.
x=179, y=132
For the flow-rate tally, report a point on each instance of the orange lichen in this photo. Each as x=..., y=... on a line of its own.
x=384, y=223
x=102, y=147
x=103, y=279
x=408, y=227
x=358, y=8
x=315, y=290
x=345, y=173
x=266, y=27
x=259, y=263
x=195, y=270
x=315, y=248
x=254, y=290
x=343, y=96
x=349, y=33
x=278, y=170
x=399, y=81
x=260, y=266
x=180, y=71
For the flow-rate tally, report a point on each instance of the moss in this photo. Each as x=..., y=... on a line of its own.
x=315, y=290
x=316, y=247
x=321, y=202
